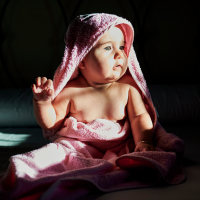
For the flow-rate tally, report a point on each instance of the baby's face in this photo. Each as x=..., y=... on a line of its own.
x=107, y=61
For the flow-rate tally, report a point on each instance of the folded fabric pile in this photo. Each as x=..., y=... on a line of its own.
x=96, y=155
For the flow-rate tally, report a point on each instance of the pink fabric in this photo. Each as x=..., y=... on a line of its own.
x=97, y=155
x=94, y=156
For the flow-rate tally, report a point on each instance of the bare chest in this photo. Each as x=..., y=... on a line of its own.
x=89, y=105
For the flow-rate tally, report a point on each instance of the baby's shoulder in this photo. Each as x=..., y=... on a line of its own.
x=127, y=82
x=74, y=84
x=122, y=86
x=127, y=79
x=69, y=90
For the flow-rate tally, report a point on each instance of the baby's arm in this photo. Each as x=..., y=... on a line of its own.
x=141, y=123
x=49, y=113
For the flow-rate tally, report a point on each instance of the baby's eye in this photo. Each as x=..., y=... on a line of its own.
x=121, y=47
x=108, y=48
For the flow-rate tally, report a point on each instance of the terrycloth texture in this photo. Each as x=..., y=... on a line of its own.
x=90, y=157
x=97, y=155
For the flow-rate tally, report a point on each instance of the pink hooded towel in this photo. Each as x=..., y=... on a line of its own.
x=97, y=156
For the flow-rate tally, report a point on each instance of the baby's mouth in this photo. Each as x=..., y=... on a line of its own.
x=117, y=67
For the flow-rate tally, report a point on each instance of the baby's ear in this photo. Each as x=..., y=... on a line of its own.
x=82, y=65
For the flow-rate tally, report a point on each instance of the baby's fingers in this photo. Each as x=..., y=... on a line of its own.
x=48, y=84
x=50, y=92
x=49, y=87
x=34, y=89
x=43, y=81
x=38, y=81
x=144, y=147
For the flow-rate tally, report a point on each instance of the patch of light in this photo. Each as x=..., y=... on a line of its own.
x=12, y=139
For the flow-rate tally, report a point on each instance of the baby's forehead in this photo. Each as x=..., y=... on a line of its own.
x=112, y=34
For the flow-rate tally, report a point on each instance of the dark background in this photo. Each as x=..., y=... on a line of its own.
x=166, y=37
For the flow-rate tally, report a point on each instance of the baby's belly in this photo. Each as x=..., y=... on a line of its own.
x=91, y=117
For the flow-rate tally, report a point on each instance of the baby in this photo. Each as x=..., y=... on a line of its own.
x=102, y=90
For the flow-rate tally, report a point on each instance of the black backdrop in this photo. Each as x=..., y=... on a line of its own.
x=32, y=37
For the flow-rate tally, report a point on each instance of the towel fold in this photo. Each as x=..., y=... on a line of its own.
x=95, y=155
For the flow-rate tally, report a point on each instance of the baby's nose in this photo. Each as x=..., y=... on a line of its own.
x=118, y=54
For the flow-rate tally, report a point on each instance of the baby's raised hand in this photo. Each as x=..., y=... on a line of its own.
x=43, y=89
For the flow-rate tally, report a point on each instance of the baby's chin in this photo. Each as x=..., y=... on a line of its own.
x=115, y=76
x=112, y=80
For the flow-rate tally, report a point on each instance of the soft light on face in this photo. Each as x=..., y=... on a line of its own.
x=107, y=61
